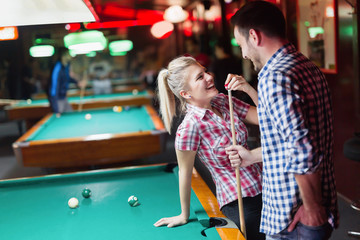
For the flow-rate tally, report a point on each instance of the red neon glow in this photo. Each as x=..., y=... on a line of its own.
x=119, y=24
x=130, y=17
x=71, y=27
x=115, y=11
x=92, y=10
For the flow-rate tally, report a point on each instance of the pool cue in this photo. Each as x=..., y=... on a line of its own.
x=82, y=92
x=238, y=182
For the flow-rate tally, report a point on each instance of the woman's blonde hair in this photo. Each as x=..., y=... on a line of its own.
x=170, y=82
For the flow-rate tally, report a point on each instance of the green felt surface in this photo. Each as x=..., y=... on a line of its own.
x=103, y=121
x=37, y=208
x=76, y=99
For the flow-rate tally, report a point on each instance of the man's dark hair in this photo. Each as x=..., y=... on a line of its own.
x=261, y=16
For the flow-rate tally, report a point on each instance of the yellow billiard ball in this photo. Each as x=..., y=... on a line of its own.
x=117, y=109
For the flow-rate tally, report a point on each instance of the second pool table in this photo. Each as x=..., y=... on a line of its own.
x=32, y=110
x=71, y=140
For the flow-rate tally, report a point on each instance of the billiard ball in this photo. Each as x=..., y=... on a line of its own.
x=86, y=193
x=28, y=101
x=133, y=201
x=88, y=116
x=127, y=108
x=73, y=202
x=135, y=92
x=117, y=109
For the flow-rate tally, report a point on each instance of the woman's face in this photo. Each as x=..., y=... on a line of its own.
x=201, y=87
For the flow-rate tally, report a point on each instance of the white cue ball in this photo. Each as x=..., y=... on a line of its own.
x=135, y=92
x=73, y=202
x=88, y=116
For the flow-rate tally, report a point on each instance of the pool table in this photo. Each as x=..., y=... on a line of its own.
x=36, y=208
x=33, y=110
x=90, y=92
x=71, y=140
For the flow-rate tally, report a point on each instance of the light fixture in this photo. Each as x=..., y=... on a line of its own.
x=37, y=12
x=8, y=33
x=91, y=54
x=314, y=31
x=175, y=14
x=41, y=51
x=118, y=53
x=162, y=29
x=120, y=46
x=85, y=42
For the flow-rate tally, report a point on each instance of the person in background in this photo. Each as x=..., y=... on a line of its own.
x=192, y=48
x=296, y=126
x=61, y=76
x=99, y=73
x=224, y=64
x=205, y=131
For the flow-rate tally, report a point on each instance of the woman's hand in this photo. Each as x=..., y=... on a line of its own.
x=237, y=83
x=171, y=221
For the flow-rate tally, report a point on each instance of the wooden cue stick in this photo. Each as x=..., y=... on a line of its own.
x=240, y=202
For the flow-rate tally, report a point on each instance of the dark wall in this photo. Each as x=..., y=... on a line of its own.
x=345, y=98
x=343, y=86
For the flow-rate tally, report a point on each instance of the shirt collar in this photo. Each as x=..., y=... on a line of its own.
x=284, y=50
x=198, y=111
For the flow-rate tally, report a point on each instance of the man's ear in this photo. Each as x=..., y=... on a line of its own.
x=185, y=94
x=255, y=37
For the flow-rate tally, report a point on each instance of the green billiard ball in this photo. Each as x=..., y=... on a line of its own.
x=86, y=193
x=133, y=201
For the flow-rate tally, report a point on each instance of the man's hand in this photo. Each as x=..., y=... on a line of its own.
x=309, y=217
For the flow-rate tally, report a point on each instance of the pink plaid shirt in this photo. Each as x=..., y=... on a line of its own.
x=208, y=134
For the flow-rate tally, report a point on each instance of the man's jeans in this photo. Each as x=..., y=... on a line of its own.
x=303, y=232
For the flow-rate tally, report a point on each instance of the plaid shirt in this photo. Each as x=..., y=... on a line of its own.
x=208, y=134
x=296, y=126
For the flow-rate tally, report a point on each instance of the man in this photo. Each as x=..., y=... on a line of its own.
x=296, y=125
x=99, y=72
x=61, y=76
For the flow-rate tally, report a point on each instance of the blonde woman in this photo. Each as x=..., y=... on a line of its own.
x=205, y=131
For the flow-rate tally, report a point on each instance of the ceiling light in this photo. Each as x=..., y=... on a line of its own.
x=162, y=29
x=37, y=12
x=85, y=42
x=175, y=14
x=8, y=33
x=42, y=51
x=120, y=46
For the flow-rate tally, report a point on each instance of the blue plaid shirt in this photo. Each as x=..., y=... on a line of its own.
x=296, y=124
